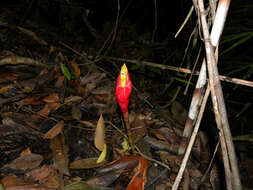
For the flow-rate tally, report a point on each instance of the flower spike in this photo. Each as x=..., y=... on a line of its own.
x=123, y=89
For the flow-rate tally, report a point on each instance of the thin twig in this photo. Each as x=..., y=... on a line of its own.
x=193, y=70
x=210, y=163
x=111, y=36
x=185, y=21
x=162, y=173
x=183, y=70
x=22, y=20
x=115, y=29
x=115, y=127
x=155, y=28
x=188, y=44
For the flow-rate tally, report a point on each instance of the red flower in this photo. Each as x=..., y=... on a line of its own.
x=123, y=89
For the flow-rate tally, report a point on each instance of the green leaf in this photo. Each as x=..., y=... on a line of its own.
x=236, y=70
x=245, y=108
x=65, y=71
x=183, y=81
x=236, y=40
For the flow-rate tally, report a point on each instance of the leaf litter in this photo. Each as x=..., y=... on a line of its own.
x=53, y=107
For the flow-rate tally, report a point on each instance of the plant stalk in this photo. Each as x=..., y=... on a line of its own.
x=129, y=133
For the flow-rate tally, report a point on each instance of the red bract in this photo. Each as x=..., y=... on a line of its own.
x=139, y=179
x=123, y=89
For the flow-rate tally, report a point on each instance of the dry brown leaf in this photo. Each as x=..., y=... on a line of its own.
x=14, y=183
x=26, y=151
x=41, y=114
x=10, y=181
x=44, y=111
x=166, y=157
x=28, y=161
x=138, y=127
x=39, y=174
x=179, y=113
x=76, y=68
x=46, y=175
x=166, y=134
x=43, y=76
x=53, y=181
x=28, y=187
x=59, y=82
x=54, y=106
x=28, y=85
x=7, y=77
x=60, y=154
x=5, y=88
x=6, y=53
x=103, y=98
x=100, y=134
x=27, y=89
x=105, y=179
x=161, y=145
x=187, y=180
x=52, y=49
x=81, y=91
x=54, y=131
x=93, y=78
x=85, y=163
x=127, y=162
x=81, y=185
x=195, y=172
x=54, y=97
x=88, y=123
x=29, y=100
x=102, y=91
x=72, y=99
x=76, y=112
x=214, y=178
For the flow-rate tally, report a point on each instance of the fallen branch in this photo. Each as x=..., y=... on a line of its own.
x=15, y=60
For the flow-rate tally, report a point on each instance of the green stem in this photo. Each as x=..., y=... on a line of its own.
x=129, y=133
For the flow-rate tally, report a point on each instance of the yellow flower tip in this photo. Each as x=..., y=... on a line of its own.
x=102, y=156
x=123, y=75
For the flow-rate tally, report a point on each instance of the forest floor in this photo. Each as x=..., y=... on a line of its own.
x=53, y=97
